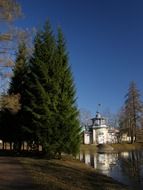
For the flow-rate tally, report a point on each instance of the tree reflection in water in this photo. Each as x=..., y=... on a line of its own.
x=126, y=167
x=132, y=166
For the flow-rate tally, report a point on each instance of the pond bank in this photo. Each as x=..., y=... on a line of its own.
x=113, y=147
x=68, y=175
x=127, y=147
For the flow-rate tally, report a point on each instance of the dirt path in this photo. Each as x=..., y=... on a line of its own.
x=13, y=176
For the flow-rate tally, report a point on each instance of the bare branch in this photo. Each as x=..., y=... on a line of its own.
x=10, y=102
x=9, y=10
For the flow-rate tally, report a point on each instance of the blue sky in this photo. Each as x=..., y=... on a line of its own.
x=104, y=41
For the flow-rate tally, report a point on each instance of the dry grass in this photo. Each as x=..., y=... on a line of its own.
x=89, y=147
x=67, y=175
x=127, y=146
x=117, y=147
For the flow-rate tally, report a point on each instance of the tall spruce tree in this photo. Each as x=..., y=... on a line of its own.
x=17, y=86
x=132, y=111
x=66, y=113
x=19, y=72
x=52, y=111
x=41, y=91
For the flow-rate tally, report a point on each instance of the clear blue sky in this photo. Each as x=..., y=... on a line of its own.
x=105, y=44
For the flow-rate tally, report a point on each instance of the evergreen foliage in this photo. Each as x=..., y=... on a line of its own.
x=66, y=111
x=41, y=89
x=50, y=112
x=17, y=86
x=48, y=115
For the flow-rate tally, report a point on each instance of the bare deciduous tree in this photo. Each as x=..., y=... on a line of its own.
x=85, y=117
x=9, y=11
x=10, y=102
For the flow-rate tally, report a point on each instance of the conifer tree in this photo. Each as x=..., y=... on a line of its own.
x=40, y=90
x=17, y=86
x=132, y=111
x=66, y=122
x=52, y=108
x=19, y=71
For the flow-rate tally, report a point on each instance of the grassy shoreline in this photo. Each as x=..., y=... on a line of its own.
x=116, y=147
x=127, y=147
x=67, y=175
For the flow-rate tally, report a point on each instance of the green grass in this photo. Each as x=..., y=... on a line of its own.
x=67, y=175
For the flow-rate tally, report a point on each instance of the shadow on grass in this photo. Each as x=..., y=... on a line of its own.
x=59, y=174
x=70, y=175
x=13, y=153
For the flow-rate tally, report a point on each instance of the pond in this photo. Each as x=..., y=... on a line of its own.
x=125, y=167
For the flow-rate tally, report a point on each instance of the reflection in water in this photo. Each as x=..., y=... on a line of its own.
x=102, y=162
x=126, y=167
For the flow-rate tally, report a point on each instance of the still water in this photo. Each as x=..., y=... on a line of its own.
x=125, y=167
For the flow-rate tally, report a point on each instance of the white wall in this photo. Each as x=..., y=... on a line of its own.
x=86, y=138
x=101, y=135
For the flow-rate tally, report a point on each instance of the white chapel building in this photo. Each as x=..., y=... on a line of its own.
x=99, y=132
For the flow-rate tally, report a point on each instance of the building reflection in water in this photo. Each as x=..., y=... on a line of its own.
x=101, y=162
x=126, y=167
